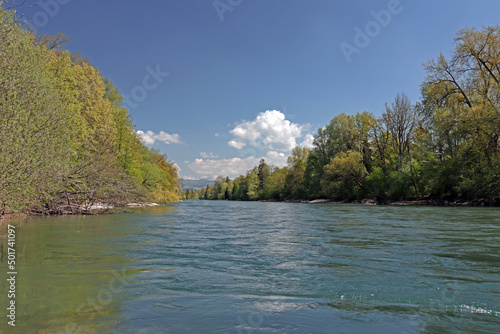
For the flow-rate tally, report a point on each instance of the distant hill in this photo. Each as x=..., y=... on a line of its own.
x=196, y=184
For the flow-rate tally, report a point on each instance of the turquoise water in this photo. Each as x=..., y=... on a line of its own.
x=240, y=267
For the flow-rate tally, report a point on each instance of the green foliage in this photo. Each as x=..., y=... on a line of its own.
x=294, y=184
x=252, y=186
x=463, y=92
x=66, y=139
x=262, y=173
x=33, y=145
x=275, y=184
x=127, y=141
x=221, y=188
x=160, y=177
x=377, y=183
x=345, y=176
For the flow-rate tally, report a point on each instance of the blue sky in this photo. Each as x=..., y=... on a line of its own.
x=254, y=78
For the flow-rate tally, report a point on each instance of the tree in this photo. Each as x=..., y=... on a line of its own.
x=400, y=121
x=66, y=139
x=316, y=160
x=365, y=122
x=342, y=134
x=275, y=184
x=463, y=93
x=53, y=43
x=12, y=4
x=263, y=173
x=207, y=192
x=33, y=147
x=127, y=141
x=252, y=186
x=93, y=169
x=345, y=175
x=294, y=181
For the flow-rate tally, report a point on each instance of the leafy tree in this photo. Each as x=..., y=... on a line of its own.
x=294, y=181
x=275, y=184
x=464, y=92
x=365, y=122
x=33, y=145
x=400, y=120
x=66, y=139
x=345, y=176
x=127, y=141
x=252, y=186
x=263, y=173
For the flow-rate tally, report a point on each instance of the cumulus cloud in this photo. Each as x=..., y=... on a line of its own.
x=236, y=144
x=235, y=167
x=150, y=138
x=308, y=141
x=270, y=130
x=276, y=158
x=223, y=167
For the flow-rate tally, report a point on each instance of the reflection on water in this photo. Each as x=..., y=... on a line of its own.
x=229, y=267
x=72, y=271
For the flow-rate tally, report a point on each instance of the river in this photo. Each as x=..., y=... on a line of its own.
x=258, y=267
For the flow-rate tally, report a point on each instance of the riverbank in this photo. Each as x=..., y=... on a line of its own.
x=420, y=202
x=10, y=216
x=77, y=209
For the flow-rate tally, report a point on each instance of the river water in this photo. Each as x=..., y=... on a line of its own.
x=250, y=267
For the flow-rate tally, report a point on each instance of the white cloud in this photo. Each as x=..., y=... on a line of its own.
x=223, y=167
x=270, y=130
x=146, y=139
x=150, y=138
x=236, y=144
x=276, y=158
x=206, y=155
x=190, y=178
x=235, y=167
x=308, y=141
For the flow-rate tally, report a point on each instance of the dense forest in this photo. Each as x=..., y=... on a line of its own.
x=444, y=147
x=66, y=140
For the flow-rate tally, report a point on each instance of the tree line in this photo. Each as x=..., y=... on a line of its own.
x=446, y=146
x=66, y=140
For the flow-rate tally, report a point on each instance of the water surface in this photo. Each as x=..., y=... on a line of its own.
x=239, y=267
